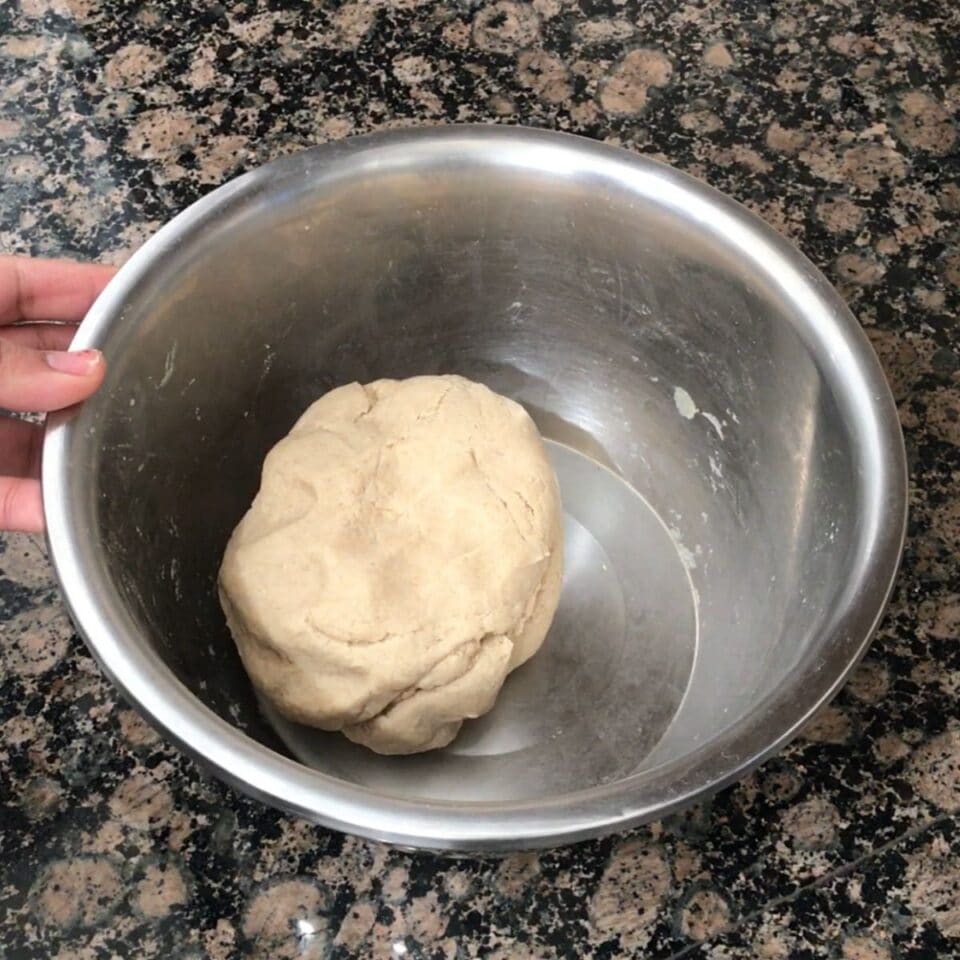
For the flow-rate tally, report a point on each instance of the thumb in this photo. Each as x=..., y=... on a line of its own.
x=31, y=380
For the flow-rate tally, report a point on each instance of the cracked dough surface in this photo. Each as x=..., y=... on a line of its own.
x=403, y=555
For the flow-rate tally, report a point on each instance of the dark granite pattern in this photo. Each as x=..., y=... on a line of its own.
x=838, y=123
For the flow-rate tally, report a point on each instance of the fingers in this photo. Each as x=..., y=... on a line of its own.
x=48, y=289
x=21, y=505
x=20, y=445
x=51, y=380
x=40, y=336
x=36, y=370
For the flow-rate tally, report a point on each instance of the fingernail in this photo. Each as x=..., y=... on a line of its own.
x=79, y=363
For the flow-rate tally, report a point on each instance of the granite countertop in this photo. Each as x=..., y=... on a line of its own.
x=837, y=122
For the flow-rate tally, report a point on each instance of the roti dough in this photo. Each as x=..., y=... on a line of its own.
x=403, y=555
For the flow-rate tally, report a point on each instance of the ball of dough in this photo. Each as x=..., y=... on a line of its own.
x=403, y=555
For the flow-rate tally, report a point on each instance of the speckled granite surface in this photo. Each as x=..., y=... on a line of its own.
x=838, y=123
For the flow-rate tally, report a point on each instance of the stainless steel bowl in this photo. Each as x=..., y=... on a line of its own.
x=730, y=462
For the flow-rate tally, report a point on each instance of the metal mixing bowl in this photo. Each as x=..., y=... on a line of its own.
x=730, y=462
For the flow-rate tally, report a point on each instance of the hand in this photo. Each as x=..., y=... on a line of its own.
x=37, y=373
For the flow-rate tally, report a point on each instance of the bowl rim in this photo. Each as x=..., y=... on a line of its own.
x=478, y=827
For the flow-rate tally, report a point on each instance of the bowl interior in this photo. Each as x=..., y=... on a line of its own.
x=706, y=403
